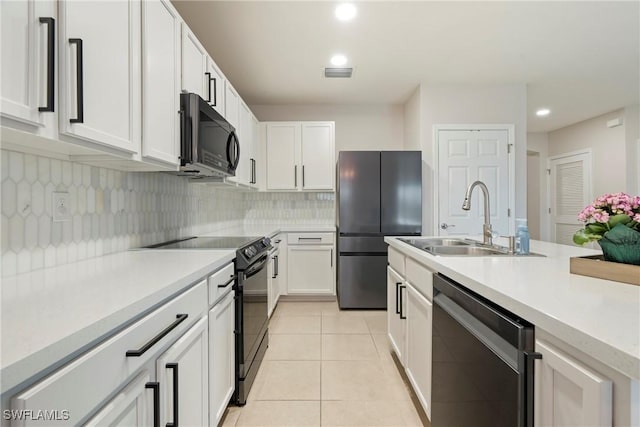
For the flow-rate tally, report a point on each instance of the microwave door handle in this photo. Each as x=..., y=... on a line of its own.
x=237, y=150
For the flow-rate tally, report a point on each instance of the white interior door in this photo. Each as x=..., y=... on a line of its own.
x=465, y=156
x=570, y=192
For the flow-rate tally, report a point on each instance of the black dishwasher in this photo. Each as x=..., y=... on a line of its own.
x=482, y=361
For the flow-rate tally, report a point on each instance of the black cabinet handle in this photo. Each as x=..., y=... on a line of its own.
x=142, y=350
x=401, y=304
x=398, y=284
x=208, y=74
x=215, y=91
x=174, y=367
x=302, y=176
x=253, y=171
x=295, y=175
x=275, y=274
x=155, y=386
x=79, y=82
x=51, y=43
x=277, y=266
x=331, y=258
x=227, y=283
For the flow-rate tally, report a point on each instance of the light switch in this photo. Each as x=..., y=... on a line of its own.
x=60, y=207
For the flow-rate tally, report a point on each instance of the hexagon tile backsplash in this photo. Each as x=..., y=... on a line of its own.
x=114, y=211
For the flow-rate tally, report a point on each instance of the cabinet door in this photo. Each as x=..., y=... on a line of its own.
x=25, y=61
x=311, y=270
x=215, y=84
x=160, y=81
x=194, y=63
x=396, y=323
x=221, y=357
x=257, y=157
x=132, y=407
x=271, y=274
x=318, y=158
x=232, y=105
x=419, y=313
x=282, y=168
x=100, y=74
x=567, y=393
x=244, y=172
x=182, y=372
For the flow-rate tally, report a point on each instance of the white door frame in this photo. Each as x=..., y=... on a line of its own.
x=589, y=184
x=511, y=132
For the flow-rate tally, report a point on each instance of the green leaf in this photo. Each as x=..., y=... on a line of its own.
x=619, y=219
x=596, y=228
x=582, y=237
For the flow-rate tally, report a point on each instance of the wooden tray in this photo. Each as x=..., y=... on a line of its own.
x=596, y=266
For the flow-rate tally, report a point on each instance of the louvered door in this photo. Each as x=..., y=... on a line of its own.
x=570, y=179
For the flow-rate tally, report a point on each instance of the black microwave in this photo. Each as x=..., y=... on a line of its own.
x=209, y=146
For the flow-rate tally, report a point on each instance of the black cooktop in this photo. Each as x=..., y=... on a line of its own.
x=222, y=242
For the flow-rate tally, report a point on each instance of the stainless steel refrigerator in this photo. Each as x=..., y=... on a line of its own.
x=379, y=194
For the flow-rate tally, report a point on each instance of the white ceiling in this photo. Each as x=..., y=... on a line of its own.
x=580, y=59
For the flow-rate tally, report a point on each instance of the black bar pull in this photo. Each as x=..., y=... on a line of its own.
x=274, y=267
x=79, y=82
x=277, y=266
x=142, y=350
x=155, y=386
x=51, y=43
x=295, y=175
x=397, y=297
x=331, y=255
x=215, y=91
x=208, y=74
x=174, y=366
x=401, y=304
x=302, y=176
x=228, y=282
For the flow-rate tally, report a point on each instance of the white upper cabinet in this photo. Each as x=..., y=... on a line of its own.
x=232, y=105
x=215, y=86
x=100, y=75
x=255, y=160
x=244, y=172
x=28, y=60
x=194, y=63
x=318, y=158
x=283, y=141
x=160, y=81
x=300, y=156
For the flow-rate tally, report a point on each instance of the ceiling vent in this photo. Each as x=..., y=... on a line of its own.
x=344, y=73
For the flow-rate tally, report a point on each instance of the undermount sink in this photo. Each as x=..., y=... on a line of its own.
x=464, y=251
x=459, y=247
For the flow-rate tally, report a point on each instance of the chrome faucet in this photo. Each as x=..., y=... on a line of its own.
x=466, y=205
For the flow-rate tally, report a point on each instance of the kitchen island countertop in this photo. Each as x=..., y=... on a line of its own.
x=599, y=317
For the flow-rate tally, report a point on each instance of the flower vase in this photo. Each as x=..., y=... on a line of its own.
x=621, y=244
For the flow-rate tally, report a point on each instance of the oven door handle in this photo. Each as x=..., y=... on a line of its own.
x=255, y=268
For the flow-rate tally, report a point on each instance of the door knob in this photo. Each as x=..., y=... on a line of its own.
x=444, y=225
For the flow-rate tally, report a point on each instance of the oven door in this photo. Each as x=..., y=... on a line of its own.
x=251, y=312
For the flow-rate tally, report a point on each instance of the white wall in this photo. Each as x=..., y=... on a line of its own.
x=358, y=127
x=632, y=139
x=460, y=104
x=538, y=142
x=412, y=122
x=608, y=147
x=533, y=193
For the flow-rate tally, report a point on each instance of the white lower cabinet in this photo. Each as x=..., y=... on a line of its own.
x=396, y=319
x=133, y=406
x=221, y=357
x=568, y=393
x=273, y=289
x=182, y=373
x=419, y=313
x=311, y=270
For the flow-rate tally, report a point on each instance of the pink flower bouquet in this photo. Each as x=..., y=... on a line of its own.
x=605, y=213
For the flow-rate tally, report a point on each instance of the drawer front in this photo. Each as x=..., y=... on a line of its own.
x=311, y=238
x=420, y=277
x=83, y=384
x=220, y=282
x=396, y=260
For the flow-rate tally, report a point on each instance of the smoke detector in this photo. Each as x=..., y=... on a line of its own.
x=342, y=72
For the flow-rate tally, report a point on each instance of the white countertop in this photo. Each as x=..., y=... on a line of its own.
x=599, y=317
x=270, y=230
x=50, y=315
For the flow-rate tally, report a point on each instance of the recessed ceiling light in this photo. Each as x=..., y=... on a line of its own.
x=345, y=11
x=338, y=60
x=543, y=112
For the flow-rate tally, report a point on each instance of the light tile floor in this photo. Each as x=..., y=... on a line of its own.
x=326, y=367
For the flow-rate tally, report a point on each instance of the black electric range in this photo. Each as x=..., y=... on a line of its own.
x=251, y=312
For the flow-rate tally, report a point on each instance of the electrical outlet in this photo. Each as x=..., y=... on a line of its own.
x=60, y=209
